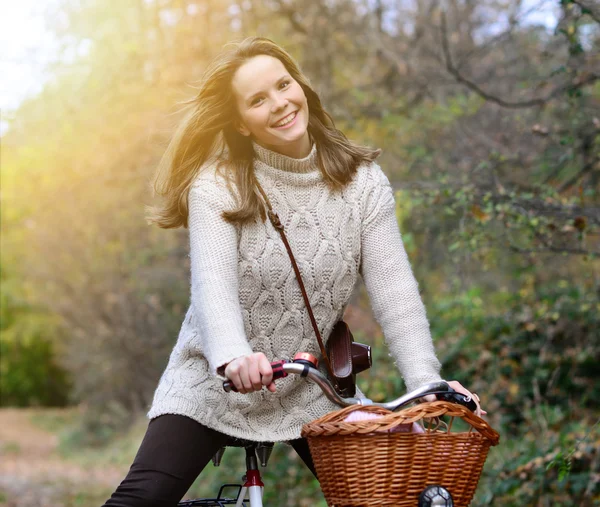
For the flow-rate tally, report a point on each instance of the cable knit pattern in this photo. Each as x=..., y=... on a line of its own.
x=245, y=297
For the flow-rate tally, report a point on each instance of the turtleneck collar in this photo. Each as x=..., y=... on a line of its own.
x=276, y=160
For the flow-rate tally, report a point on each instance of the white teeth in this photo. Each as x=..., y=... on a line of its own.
x=286, y=120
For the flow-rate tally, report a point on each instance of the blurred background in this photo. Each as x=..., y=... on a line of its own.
x=488, y=114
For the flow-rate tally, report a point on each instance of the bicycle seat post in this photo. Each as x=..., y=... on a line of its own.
x=253, y=484
x=251, y=460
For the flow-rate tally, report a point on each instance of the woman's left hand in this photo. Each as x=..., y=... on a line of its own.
x=459, y=388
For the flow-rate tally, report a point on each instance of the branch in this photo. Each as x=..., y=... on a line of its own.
x=578, y=82
x=554, y=250
x=482, y=48
x=580, y=174
x=589, y=9
x=343, y=95
x=375, y=110
x=568, y=212
x=535, y=205
x=292, y=14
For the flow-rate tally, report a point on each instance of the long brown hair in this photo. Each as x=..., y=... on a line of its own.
x=207, y=132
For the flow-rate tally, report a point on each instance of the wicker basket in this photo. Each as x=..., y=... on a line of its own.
x=361, y=463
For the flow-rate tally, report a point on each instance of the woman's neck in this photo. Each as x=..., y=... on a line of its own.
x=297, y=149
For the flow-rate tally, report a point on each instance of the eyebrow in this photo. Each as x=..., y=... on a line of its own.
x=286, y=76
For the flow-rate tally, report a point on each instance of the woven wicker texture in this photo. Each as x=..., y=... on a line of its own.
x=361, y=463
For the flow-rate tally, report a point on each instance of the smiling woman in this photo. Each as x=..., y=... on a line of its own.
x=243, y=94
x=257, y=124
x=274, y=111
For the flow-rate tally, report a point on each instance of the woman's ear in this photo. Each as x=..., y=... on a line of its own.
x=241, y=128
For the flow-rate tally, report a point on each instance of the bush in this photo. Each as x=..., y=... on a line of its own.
x=29, y=373
x=535, y=363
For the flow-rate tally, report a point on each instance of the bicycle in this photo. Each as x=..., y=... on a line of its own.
x=250, y=493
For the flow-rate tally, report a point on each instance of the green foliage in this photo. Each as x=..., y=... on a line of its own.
x=30, y=375
x=479, y=221
x=29, y=372
x=534, y=354
x=563, y=463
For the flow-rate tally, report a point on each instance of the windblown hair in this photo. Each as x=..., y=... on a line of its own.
x=207, y=132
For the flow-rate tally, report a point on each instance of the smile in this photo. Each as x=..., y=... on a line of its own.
x=286, y=121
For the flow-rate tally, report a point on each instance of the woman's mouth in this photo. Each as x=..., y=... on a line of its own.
x=287, y=122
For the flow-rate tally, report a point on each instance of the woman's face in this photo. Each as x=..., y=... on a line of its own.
x=272, y=106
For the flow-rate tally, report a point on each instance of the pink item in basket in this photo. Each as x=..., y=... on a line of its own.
x=363, y=415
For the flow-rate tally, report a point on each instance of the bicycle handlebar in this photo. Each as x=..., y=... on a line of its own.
x=441, y=389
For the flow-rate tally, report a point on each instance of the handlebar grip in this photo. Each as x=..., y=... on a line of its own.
x=278, y=372
x=458, y=398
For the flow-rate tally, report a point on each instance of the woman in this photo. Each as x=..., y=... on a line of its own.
x=257, y=119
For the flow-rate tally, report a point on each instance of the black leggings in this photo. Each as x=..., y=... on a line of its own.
x=175, y=449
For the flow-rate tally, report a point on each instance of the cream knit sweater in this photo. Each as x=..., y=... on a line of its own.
x=245, y=297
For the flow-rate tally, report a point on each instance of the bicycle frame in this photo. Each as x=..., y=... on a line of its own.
x=252, y=488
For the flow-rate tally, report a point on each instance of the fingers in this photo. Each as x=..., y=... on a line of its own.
x=245, y=378
x=250, y=373
x=266, y=373
x=254, y=374
x=481, y=411
x=234, y=373
x=458, y=387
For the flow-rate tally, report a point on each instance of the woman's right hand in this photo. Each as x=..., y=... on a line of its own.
x=250, y=373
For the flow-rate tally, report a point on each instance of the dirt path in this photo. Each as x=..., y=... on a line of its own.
x=32, y=473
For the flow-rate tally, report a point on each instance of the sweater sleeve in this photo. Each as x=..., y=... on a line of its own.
x=392, y=288
x=214, y=278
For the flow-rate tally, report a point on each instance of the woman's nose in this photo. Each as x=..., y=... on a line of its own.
x=280, y=104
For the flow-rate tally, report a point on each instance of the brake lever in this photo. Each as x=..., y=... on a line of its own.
x=459, y=398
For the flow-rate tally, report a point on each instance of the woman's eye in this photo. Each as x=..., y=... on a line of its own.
x=282, y=85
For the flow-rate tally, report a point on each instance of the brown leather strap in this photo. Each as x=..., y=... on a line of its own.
x=279, y=227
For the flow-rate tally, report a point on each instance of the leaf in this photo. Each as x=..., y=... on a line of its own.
x=479, y=213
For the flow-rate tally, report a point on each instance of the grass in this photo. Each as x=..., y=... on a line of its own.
x=289, y=482
x=10, y=448
x=54, y=420
x=74, y=438
x=91, y=496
